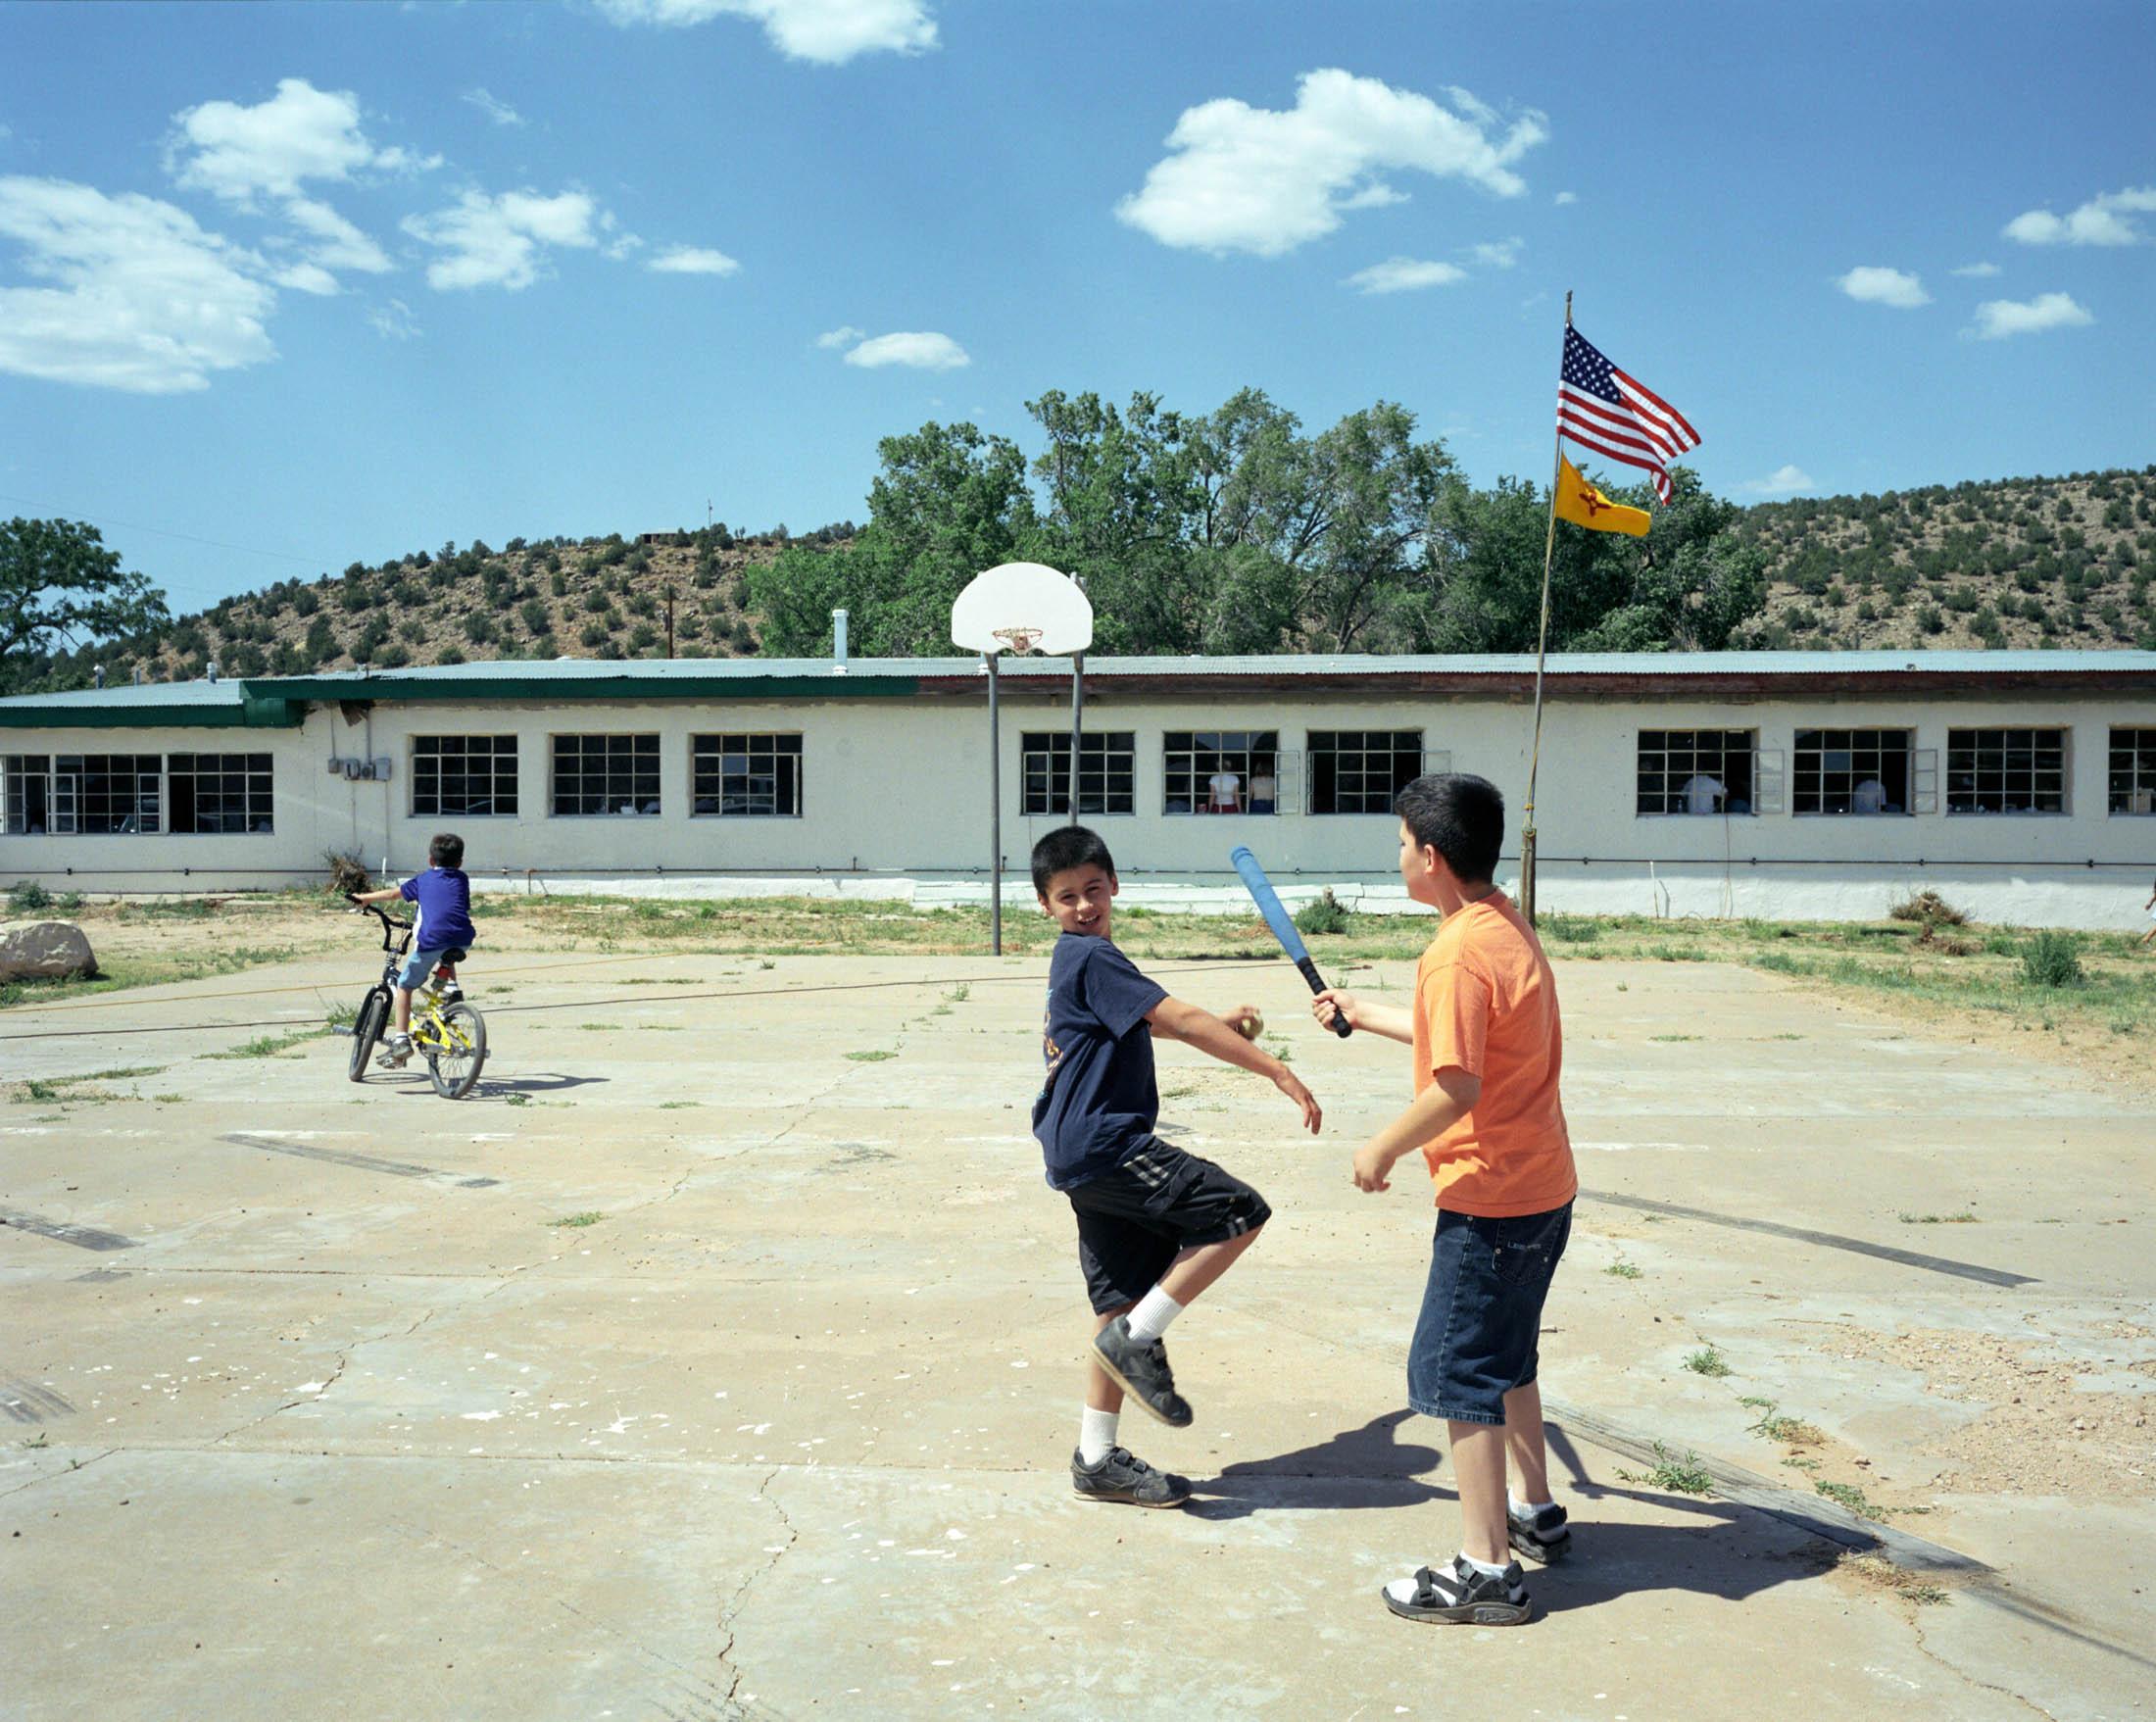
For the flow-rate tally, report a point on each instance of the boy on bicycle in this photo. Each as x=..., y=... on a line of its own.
x=443, y=923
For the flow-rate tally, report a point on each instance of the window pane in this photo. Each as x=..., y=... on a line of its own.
x=616, y=775
x=1705, y=772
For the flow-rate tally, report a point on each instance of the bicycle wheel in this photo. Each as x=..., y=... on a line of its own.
x=366, y=1029
x=454, y=1062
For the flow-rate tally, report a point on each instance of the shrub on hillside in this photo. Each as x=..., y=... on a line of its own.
x=306, y=601
x=592, y=634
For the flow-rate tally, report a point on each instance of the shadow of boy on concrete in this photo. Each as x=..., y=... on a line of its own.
x=1362, y=1467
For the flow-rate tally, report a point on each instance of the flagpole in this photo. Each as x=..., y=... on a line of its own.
x=1541, y=652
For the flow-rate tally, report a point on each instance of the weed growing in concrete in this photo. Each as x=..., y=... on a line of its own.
x=1622, y=1270
x=1707, y=1362
x=959, y=994
x=167, y=1099
x=1680, y=1476
x=870, y=1057
x=599, y=1028
x=677, y=1106
x=1876, y=1569
x=1963, y=1218
x=1790, y=1431
x=1282, y=1051
x=268, y=1045
x=1849, y=1495
x=341, y=1016
x=1674, y=1037
x=578, y=1220
x=121, y=1073
x=517, y=1100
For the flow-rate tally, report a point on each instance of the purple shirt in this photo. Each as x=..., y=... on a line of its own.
x=444, y=897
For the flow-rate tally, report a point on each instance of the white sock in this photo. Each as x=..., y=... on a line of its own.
x=1095, y=1435
x=1481, y=1566
x=1526, y=1509
x=1153, y=1312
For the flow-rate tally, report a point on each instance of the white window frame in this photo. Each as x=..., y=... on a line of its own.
x=719, y=754
x=580, y=736
x=1048, y=751
x=1907, y=751
x=2008, y=731
x=1758, y=759
x=2140, y=771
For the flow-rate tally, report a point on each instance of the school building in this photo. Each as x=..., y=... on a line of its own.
x=2021, y=785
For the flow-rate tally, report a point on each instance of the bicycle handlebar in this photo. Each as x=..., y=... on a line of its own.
x=390, y=923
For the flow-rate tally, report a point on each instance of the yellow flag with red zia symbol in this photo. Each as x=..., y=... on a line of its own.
x=1580, y=503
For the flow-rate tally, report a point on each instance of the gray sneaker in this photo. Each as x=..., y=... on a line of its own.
x=395, y=1050
x=1139, y=1367
x=1543, y=1537
x=1125, y=1477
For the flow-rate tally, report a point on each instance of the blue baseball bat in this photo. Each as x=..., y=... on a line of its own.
x=1284, y=928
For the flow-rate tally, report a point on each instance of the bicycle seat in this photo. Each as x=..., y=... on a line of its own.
x=452, y=955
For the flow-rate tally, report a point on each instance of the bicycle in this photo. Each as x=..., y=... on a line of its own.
x=449, y=1033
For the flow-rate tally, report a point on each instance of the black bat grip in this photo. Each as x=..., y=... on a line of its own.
x=1341, y=1026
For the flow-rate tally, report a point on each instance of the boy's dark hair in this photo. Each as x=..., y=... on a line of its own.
x=1459, y=815
x=444, y=848
x=1067, y=847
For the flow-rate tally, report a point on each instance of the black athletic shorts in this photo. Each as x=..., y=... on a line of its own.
x=1135, y=1221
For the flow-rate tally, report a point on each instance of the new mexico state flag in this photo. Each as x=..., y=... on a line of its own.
x=1580, y=503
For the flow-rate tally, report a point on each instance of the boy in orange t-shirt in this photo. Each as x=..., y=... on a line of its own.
x=1488, y=1119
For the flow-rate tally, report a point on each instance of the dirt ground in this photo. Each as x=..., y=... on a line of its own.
x=720, y=1357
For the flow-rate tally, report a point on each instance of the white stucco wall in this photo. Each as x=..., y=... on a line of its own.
x=896, y=787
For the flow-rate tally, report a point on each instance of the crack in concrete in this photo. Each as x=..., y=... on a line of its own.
x=739, y=1600
x=56, y=1476
x=1923, y=1649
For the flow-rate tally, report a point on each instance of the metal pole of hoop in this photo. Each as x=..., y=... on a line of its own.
x=1020, y=641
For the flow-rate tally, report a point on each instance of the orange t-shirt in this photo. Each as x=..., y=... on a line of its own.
x=1487, y=1002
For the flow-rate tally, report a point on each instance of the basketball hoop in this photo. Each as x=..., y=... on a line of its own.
x=1020, y=641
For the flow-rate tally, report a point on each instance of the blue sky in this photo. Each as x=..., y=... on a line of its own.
x=329, y=282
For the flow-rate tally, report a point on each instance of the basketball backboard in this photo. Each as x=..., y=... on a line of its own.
x=1022, y=607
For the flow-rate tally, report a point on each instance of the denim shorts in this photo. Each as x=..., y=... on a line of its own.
x=420, y=963
x=1482, y=1311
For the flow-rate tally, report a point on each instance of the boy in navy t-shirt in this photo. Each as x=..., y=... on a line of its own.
x=443, y=923
x=1155, y=1225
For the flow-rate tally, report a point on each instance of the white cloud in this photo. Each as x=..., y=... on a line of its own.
x=827, y=31
x=493, y=106
x=336, y=243
x=1564, y=197
x=1997, y=318
x=1404, y=274
x=1884, y=286
x=1501, y=255
x=1244, y=178
x=917, y=349
x=140, y=298
x=1975, y=270
x=495, y=241
x=393, y=321
x=842, y=336
x=306, y=277
x=2104, y=219
x=301, y=133
x=1781, y=481
x=692, y=260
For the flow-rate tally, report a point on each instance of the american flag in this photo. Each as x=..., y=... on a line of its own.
x=1600, y=408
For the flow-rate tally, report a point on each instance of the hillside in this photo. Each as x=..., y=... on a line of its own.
x=2020, y=561
x=599, y=598
x=2015, y=562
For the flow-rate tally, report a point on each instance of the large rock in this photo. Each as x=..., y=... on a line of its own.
x=44, y=951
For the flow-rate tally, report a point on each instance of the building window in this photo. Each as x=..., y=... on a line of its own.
x=1107, y=766
x=2134, y=772
x=220, y=792
x=462, y=776
x=106, y=794
x=1852, y=771
x=1221, y=771
x=26, y=794
x=749, y=776
x=1361, y=770
x=1695, y=772
x=2006, y=771
x=614, y=774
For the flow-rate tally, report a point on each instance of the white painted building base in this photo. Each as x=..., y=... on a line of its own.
x=2090, y=900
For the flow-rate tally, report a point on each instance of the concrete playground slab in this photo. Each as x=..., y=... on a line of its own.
x=720, y=1357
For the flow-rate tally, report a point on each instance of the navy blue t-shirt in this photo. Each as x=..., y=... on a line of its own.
x=444, y=897
x=1098, y=1102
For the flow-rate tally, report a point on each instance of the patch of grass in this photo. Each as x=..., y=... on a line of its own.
x=1707, y=1362
x=1282, y=1051
x=659, y=1027
x=870, y=1057
x=1675, y=1037
x=517, y=1100
x=123, y=1073
x=2053, y=959
x=341, y=1016
x=1181, y=1091
x=590, y=1218
x=1877, y=1570
x=677, y=1106
x=1963, y=1218
x=1680, y=1476
x=1324, y=913
x=1790, y=1431
x=268, y=1045
x=1569, y=929
x=959, y=994
x=1849, y=1495
x=167, y=1099
x=1785, y=1036
x=27, y=897
x=1622, y=1270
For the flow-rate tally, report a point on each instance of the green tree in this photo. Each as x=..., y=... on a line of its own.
x=60, y=587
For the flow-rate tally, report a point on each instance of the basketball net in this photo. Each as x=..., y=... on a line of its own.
x=1019, y=640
